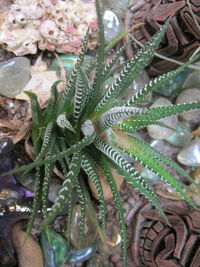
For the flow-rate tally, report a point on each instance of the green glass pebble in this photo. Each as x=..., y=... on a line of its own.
x=181, y=136
x=14, y=75
x=69, y=61
x=81, y=255
x=56, y=249
x=174, y=86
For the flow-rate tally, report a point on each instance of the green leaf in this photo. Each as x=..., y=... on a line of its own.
x=37, y=117
x=130, y=145
x=51, y=109
x=130, y=174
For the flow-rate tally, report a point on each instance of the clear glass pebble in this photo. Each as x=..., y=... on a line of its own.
x=190, y=154
x=112, y=25
x=14, y=75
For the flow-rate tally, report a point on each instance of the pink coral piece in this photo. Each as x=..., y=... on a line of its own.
x=55, y=25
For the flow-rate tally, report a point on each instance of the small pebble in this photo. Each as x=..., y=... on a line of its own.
x=190, y=154
x=112, y=25
x=159, y=132
x=181, y=136
x=14, y=75
x=187, y=96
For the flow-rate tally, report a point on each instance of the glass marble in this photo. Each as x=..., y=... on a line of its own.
x=190, y=154
x=14, y=75
x=120, y=6
x=112, y=25
x=181, y=136
x=174, y=86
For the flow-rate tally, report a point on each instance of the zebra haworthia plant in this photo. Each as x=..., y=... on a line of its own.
x=82, y=130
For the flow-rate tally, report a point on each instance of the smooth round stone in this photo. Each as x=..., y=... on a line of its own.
x=81, y=255
x=112, y=25
x=112, y=240
x=89, y=230
x=6, y=146
x=150, y=176
x=54, y=188
x=136, y=86
x=159, y=132
x=192, y=80
x=190, y=154
x=187, y=96
x=181, y=136
x=14, y=75
x=56, y=249
x=174, y=86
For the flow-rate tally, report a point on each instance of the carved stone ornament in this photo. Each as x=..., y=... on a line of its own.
x=156, y=244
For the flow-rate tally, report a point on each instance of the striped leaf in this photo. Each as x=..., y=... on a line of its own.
x=156, y=83
x=139, y=153
x=130, y=174
x=165, y=111
x=65, y=192
x=118, y=204
x=114, y=115
x=82, y=202
x=81, y=94
x=88, y=165
x=70, y=88
x=63, y=122
x=131, y=70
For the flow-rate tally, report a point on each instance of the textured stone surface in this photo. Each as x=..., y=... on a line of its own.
x=14, y=75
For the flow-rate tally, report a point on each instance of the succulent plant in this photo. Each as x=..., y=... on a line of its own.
x=83, y=129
